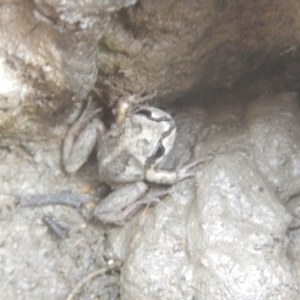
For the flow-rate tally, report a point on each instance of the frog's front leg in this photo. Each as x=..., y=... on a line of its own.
x=171, y=176
x=123, y=203
x=81, y=139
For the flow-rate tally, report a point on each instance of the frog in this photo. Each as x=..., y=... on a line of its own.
x=130, y=156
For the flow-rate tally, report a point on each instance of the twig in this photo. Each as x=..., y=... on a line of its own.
x=80, y=284
x=63, y=198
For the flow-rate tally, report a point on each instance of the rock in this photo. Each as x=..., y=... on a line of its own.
x=223, y=234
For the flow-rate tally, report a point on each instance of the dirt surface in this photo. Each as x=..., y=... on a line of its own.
x=194, y=223
x=232, y=231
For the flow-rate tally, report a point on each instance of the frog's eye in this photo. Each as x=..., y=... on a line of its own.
x=144, y=112
x=160, y=151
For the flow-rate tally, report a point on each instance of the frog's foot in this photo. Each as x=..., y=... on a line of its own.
x=187, y=170
x=81, y=139
x=133, y=209
x=125, y=202
x=184, y=172
x=137, y=99
x=120, y=218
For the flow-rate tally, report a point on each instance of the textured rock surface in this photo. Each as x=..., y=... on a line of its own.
x=226, y=237
x=49, y=48
x=232, y=232
x=227, y=227
x=175, y=47
x=48, y=51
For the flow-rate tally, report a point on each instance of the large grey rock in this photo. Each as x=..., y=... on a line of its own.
x=223, y=234
x=48, y=50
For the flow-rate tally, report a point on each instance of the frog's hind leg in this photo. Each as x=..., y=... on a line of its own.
x=81, y=139
x=125, y=202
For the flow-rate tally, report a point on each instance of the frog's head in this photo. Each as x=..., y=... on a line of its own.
x=160, y=130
